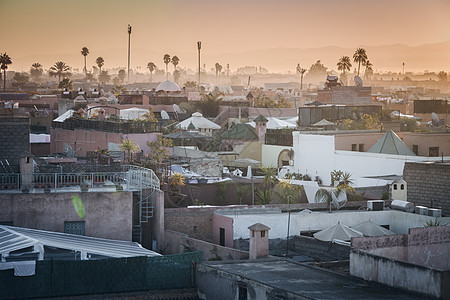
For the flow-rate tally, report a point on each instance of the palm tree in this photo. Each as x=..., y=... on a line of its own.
x=166, y=61
x=175, y=62
x=100, y=62
x=65, y=84
x=324, y=195
x=104, y=77
x=360, y=57
x=90, y=77
x=369, y=69
x=344, y=64
x=59, y=69
x=151, y=67
x=36, y=71
x=130, y=147
x=218, y=69
x=85, y=52
x=177, y=181
x=301, y=71
x=5, y=60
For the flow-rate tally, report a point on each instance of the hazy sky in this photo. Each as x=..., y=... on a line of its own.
x=31, y=27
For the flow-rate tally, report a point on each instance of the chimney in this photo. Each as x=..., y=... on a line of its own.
x=259, y=241
x=260, y=127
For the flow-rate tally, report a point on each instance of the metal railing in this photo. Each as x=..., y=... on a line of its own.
x=132, y=178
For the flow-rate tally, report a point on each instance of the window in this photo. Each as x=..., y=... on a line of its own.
x=353, y=147
x=74, y=227
x=361, y=148
x=395, y=187
x=416, y=149
x=433, y=151
x=285, y=163
x=263, y=233
x=402, y=187
x=222, y=237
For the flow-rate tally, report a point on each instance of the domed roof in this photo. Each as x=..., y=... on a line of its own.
x=168, y=86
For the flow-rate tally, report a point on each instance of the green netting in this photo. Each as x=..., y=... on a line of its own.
x=70, y=278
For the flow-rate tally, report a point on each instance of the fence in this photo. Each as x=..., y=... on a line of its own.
x=132, y=178
x=59, y=278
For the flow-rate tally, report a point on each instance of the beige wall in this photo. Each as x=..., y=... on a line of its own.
x=427, y=140
x=108, y=215
x=345, y=141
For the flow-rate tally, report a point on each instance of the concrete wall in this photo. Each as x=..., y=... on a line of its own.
x=14, y=137
x=316, y=155
x=194, y=222
x=345, y=141
x=427, y=140
x=428, y=185
x=108, y=215
x=270, y=154
x=399, y=274
x=176, y=242
x=352, y=95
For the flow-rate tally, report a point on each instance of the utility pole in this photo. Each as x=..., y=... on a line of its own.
x=129, y=40
x=199, y=47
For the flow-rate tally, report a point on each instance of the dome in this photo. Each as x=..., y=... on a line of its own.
x=168, y=86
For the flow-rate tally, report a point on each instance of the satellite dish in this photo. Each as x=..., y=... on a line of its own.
x=176, y=108
x=434, y=117
x=358, y=81
x=164, y=115
x=67, y=150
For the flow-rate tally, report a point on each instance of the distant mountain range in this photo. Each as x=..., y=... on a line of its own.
x=433, y=57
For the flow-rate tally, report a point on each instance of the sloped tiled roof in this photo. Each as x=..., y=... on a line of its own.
x=241, y=132
x=260, y=118
x=390, y=143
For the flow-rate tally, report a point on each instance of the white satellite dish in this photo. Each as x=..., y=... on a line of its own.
x=67, y=150
x=434, y=117
x=164, y=115
x=358, y=81
x=176, y=108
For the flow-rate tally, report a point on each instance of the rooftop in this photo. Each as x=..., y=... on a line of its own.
x=307, y=281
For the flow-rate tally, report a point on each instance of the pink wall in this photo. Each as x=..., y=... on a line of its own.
x=220, y=221
x=427, y=140
x=345, y=141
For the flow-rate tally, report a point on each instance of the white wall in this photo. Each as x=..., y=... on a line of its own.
x=398, y=221
x=316, y=156
x=270, y=154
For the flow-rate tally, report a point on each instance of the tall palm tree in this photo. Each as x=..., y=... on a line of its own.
x=5, y=60
x=85, y=52
x=100, y=62
x=36, y=71
x=175, y=62
x=344, y=64
x=166, y=61
x=59, y=69
x=360, y=57
x=369, y=69
x=151, y=67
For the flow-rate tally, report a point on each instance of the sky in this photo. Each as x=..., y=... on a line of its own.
x=47, y=28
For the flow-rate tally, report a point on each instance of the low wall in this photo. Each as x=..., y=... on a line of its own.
x=399, y=274
x=177, y=242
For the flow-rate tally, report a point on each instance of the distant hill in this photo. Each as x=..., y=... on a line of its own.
x=433, y=57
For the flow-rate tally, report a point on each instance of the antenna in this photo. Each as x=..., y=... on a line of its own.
x=358, y=81
x=164, y=115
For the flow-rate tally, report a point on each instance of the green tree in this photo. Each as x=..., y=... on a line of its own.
x=59, y=69
x=104, y=77
x=442, y=76
x=190, y=84
x=159, y=150
x=122, y=75
x=85, y=52
x=177, y=181
x=65, y=84
x=166, y=60
x=176, y=75
x=118, y=90
x=344, y=64
x=324, y=195
x=100, y=62
x=90, y=77
x=151, y=67
x=209, y=105
x=369, y=69
x=360, y=57
x=21, y=78
x=317, y=70
x=175, y=62
x=5, y=60
x=130, y=147
x=36, y=71
x=218, y=68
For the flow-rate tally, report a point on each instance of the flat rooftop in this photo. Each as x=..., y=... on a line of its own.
x=309, y=281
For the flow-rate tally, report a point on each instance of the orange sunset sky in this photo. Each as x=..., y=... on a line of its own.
x=231, y=31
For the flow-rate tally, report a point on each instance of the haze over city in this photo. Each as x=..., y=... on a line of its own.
x=274, y=34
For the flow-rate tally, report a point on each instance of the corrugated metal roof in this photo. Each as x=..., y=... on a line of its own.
x=17, y=238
